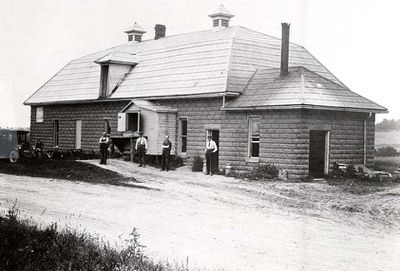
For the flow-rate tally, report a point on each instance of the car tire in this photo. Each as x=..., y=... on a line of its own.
x=13, y=156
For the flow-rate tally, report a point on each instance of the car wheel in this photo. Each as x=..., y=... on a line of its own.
x=13, y=156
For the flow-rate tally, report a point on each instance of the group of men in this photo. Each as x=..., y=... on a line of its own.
x=141, y=149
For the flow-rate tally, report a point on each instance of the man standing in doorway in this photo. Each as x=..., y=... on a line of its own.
x=166, y=149
x=211, y=149
x=104, y=148
x=141, y=149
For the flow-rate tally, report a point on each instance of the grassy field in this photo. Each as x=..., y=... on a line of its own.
x=66, y=169
x=25, y=246
x=383, y=139
x=389, y=164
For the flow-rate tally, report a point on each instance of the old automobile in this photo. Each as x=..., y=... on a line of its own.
x=14, y=144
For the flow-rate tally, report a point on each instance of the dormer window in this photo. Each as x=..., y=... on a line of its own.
x=104, y=81
x=130, y=37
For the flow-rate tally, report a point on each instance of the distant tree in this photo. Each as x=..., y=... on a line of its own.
x=386, y=151
x=388, y=125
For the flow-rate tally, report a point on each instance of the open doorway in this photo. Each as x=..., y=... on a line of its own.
x=319, y=153
x=215, y=136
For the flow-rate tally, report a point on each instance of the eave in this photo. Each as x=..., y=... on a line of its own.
x=305, y=106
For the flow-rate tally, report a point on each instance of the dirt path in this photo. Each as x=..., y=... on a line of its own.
x=220, y=223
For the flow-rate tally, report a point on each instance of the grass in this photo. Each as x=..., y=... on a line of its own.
x=26, y=246
x=389, y=164
x=67, y=169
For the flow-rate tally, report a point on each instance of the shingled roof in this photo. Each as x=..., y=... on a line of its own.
x=214, y=62
x=301, y=88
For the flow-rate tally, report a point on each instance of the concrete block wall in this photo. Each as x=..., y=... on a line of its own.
x=284, y=134
x=91, y=114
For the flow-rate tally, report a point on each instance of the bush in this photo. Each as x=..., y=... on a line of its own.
x=197, y=165
x=263, y=172
x=386, y=151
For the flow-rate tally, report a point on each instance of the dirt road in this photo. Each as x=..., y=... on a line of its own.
x=220, y=223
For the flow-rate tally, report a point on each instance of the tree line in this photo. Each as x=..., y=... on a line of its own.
x=388, y=125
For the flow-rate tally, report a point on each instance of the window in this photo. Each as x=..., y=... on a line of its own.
x=78, y=134
x=106, y=126
x=39, y=114
x=254, y=137
x=183, y=135
x=56, y=132
x=225, y=23
x=104, y=81
x=216, y=22
x=134, y=124
x=130, y=37
x=138, y=38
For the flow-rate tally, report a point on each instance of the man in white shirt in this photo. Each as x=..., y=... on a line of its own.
x=211, y=149
x=141, y=149
x=104, y=141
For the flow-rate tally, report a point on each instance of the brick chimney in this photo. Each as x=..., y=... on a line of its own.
x=159, y=31
x=285, y=49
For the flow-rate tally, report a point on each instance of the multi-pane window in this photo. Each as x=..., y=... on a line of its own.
x=254, y=137
x=39, y=114
x=56, y=132
x=183, y=135
x=130, y=37
x=225, y=23
x=216, y=22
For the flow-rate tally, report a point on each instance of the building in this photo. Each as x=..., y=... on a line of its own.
x=263, y=99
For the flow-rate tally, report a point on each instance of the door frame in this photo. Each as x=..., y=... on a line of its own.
x=327, y=134
x=209, y=132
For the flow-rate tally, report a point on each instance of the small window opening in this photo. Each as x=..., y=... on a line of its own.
x=225, y=23
x=254, y=136
x=216, y=22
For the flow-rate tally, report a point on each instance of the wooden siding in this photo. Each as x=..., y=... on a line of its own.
x=116, y=74
x=167, y=125
x=149, y=120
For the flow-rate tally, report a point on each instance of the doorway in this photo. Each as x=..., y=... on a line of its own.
x=319, y=153
x=215, y=136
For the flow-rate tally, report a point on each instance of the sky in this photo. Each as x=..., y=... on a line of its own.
x=358, y=41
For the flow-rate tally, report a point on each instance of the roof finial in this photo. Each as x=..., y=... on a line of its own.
x=221, y=17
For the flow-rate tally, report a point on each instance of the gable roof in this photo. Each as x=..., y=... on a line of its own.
x=301, y=88
x=148, y=105
x=214, y=62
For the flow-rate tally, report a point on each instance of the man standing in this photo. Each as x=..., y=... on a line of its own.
x=166, y=149
x=104, y=140
x=211, y=149
x=141, y=149
x=38, y=149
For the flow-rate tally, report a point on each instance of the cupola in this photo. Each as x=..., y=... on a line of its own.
x=221, y=17
x=135, y=33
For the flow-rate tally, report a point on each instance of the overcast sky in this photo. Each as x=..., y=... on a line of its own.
x=357, y=40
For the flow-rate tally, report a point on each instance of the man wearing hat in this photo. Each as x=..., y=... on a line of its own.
x=141, y=149
x=211, y=149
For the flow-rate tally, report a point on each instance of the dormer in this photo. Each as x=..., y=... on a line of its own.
x=135, y=33
x=221, y=17
x=114, y=67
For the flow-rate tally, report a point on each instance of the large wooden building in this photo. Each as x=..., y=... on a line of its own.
x=263, y=99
